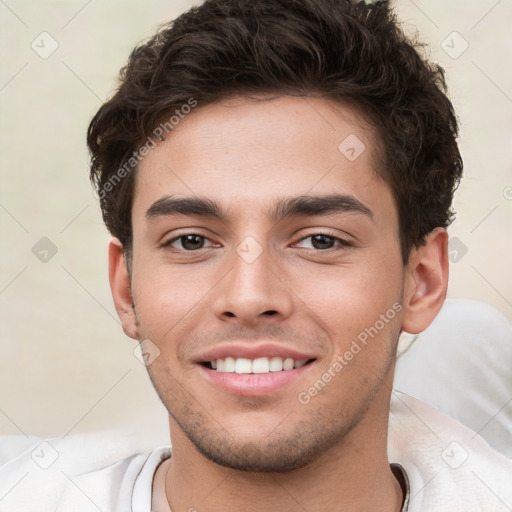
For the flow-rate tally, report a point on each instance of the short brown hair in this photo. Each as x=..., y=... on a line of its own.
x=344, y=50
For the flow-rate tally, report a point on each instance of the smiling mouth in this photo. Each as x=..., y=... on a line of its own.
x=260, y=365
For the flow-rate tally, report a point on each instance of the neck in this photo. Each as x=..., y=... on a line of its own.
x=353, y=476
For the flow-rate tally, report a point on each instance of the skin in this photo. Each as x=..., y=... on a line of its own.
x=273, y=453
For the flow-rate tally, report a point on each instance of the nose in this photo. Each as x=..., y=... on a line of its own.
x=253, y=291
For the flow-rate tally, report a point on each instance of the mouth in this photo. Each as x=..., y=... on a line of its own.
x=260, y=365
x=254, y=371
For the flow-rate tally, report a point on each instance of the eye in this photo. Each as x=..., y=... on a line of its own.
x=188, y=242
x=322, y=241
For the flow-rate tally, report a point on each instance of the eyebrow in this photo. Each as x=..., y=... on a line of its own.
x=301, y=206
x=318, y=205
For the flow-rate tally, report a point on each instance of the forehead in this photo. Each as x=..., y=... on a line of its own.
x=246, y=151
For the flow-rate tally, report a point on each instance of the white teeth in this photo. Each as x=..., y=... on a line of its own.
x=229, y=364
x=276, y=364
x=288, y=364
x=242, y=365
x=259, y=365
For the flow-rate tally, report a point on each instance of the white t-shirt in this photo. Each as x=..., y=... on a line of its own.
x=461, y=366
x=449, y=468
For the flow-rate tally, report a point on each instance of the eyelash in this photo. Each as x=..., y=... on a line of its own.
x=183, y=235
x=341, y=243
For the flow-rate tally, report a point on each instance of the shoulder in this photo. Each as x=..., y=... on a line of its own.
x=79, y=473
x=461, y=365
x=449, y=466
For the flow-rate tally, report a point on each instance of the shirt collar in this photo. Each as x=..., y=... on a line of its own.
x=403, y=480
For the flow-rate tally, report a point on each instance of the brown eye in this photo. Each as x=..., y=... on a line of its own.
x=192, y=242
x=189, y=242
x=322, y=241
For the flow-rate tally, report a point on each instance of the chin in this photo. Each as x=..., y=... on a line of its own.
x=280, y=450
x=279, y=456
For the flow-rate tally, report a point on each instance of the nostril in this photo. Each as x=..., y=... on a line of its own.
x=270, y=312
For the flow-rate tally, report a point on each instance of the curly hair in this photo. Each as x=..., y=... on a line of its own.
x=344, y=50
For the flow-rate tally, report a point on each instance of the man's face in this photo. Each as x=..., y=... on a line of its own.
x=267, y=278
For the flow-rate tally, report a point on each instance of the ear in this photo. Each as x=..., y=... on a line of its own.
x=426, y=282
x=121, y=288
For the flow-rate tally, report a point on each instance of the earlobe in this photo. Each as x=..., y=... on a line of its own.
x=426, y=282
x=121, y=288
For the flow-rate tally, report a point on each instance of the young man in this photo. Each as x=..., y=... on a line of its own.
x=277, y=176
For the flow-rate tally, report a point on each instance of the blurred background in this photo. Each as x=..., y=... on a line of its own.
x=66, y=366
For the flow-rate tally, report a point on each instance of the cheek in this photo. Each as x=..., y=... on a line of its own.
x=361, y=311
x=168, y=300
x=348, y=300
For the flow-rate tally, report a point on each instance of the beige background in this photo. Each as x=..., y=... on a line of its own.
x=66, y=365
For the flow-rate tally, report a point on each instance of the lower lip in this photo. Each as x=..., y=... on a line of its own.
x=253, y=384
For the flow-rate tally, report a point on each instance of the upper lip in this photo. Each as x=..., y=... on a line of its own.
x=253, y=351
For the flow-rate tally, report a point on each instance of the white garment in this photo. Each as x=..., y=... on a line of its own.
x=461, y=365
x=449, y=467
